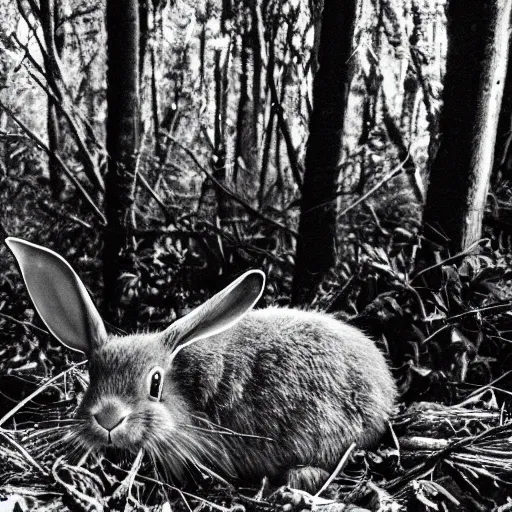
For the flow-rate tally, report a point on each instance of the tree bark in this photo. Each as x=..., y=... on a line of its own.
x=49, y=14
x=123, y=127
x=478, y=32
x=246, y=146
x=503, y=153
x=221, y=66
x=143, y=35
x=316, y=244
x=258, y=64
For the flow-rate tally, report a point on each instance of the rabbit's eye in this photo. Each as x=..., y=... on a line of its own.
x=155, y=382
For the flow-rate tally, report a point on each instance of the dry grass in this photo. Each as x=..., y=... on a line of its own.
x=435, y=458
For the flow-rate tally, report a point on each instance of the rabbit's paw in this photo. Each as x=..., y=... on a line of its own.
x=286, y=499
x=307, y=478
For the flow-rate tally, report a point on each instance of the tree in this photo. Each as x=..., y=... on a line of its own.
x=476, y=66
x=503, y=153
x=123, y=126
x=246, y=146
x=316, y=247
x=49, y=14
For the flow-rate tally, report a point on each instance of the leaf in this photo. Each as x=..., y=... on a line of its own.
x=383, y=268
x=458, y=340
x=493, y=274
x=440, y=489
x=440, y=303
x=392, y=303
x=424, y=372
x=435, y=316
x=430, y=504
x=402, y=234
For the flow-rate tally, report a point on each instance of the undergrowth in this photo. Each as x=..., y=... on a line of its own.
x=444, y=325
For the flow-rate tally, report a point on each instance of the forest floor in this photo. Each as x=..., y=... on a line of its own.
x=435, y=457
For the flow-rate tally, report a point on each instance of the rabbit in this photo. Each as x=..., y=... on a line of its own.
x=242, y=393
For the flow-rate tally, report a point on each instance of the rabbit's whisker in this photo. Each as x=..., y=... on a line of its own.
x=226, y=432
x=56, y=443
x=47, y=431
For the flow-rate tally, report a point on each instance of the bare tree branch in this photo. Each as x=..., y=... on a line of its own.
x=24, y=323
x=31, y=27
x=90, y=167
x=73, y=16
x=395, y=172
x=63, y=166
x=59, y=95
x=285, y=130
x=154, y=195
x=223, y=188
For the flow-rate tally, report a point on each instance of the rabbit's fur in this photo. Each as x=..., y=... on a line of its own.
x=271, y=390
x=310, y=383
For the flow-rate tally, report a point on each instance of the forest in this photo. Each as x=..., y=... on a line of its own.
x=359, y=153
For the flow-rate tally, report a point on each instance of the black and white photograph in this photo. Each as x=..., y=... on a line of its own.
x=255, y=255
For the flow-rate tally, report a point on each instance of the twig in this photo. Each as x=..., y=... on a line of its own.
x=154, y=195
x=376, y=219
x=24, y=323
x=395, y=172
x=51, y=210
x=436, y=332
x=39, y=390
x=77, y=14
x=208, y=471
x=338, y=469
x=63, y=166
x=224, y=189
x=90, y=168
x=417, y=443
x=202, y=500
x=129, y=480
x=285, y=130
x=467, y=251
x=24, y=47
x=427, y=466
x=26, y=19
x=24, y=452
x=481, y=310
x=484, y=388
x=57, y=97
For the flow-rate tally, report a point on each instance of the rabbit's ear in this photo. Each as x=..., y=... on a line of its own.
x=219, y=313
x=59, y=296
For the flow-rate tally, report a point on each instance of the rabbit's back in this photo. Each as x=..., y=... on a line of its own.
x=302, y=383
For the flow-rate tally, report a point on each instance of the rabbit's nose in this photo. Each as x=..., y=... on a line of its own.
x=110, y=416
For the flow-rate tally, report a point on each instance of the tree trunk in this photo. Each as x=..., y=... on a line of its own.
x=49, y=14
x=258, y=64
x=503, y=153
x=143, y=36
x=122, y=143
x=52, y=125
x=221, y=67
x=246, y=146
x=478, y=32
x=316, y=244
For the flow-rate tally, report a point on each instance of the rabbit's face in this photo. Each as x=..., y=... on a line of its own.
x=132, y=403
x=131, y=395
